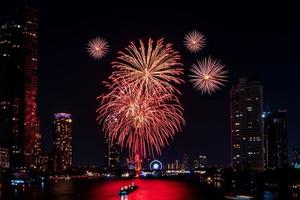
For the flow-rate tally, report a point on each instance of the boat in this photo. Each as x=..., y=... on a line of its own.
x=238, y=197
x=128, y=189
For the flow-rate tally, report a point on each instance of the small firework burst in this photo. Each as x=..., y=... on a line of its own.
x=208, y=75
x=194, y=41
x=98, y=48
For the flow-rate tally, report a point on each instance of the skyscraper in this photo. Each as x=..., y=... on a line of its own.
x=62, y=142
x=185, y=162
x=296, y=158
x=19, y=123
x=275, y=139
x=4, y=158
x=202, y=161
x=246, y=104
x=112, y=155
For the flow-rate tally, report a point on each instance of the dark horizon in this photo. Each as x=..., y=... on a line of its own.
x=256, y=44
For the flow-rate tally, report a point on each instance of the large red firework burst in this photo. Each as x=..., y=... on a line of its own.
x=208, y=75
x=141, y=110
x=143, y=124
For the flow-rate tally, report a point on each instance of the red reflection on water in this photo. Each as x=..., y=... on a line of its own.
x=147, y=189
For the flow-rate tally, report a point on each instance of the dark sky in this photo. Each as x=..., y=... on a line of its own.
x=256, y=41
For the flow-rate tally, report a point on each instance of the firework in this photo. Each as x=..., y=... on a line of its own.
x=208, y=75
x=98, y=48
x=143, y=124
x=141, y=111
x=150, y=69
x=194, y=41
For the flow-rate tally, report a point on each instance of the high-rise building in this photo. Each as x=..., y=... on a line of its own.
x=296, y=158
x=62, y=142
x=195, y=164
x=4, y=158
x=185, y=162
x=246, y=106
x=275, y=139
x=19, y=123
x=202, y=161
x=177, y=164
x=112, y=155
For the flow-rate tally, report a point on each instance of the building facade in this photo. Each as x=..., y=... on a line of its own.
x=112, y=155
x=62, y=142
x=275, y=139
x=246, y=106
x=19, y=123
x=4, y=158
x=185, y=162
x=202, y=161
x=296, y=158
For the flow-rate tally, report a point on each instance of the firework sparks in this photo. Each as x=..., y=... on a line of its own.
x=208, y=75
x=194, y=41
x=141, y=110
x=98, y=48
x=149, y=69
x=143, y=124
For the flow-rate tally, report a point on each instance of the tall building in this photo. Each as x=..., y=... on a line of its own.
x=112, y=155
x=185, y=162
x=202, y=161
x=4, y=158
x=177, y=164
x=275, y=139
x=19, y=123
x=195, y=164
x=296, y=158
x=246, y=105
x=62, y=142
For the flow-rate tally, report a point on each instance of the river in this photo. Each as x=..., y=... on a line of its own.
x=148, y=189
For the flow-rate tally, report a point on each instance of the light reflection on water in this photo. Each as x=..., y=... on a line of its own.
x=108, y=190
x=147, y=190
x=153, y=189
x=269, y=195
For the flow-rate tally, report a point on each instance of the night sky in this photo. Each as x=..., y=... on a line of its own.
x=255, y=41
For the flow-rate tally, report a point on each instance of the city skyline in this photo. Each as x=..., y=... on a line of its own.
x=64, y=77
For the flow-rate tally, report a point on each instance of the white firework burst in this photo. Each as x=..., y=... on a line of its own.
x=98, y=48
x=194, y=41
x=208, y=75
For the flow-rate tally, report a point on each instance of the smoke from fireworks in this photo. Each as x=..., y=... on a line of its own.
x=98, y=48
x=208, y=75
x=194, y=41
x=151, y=69
x=141, y=110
